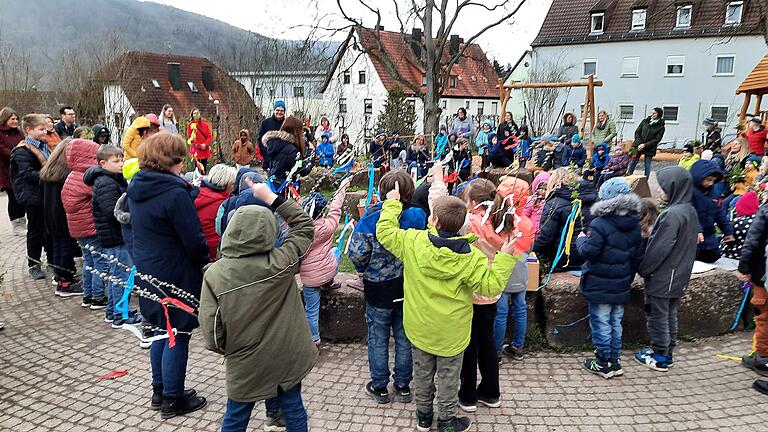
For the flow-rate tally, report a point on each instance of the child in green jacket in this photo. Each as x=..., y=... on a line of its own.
x=441, y=271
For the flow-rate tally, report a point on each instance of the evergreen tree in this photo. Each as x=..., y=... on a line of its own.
x=398, y=114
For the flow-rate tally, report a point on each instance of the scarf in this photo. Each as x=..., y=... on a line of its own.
x=39, y=145
x=653, y=121
x=601, y=126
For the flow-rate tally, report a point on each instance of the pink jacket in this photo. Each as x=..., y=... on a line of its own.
x=319, y=266
x=533, y=206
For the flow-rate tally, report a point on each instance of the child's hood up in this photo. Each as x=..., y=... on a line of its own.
x=251, y=231
x=704, y=168
x=677, y=183
x=81, y=154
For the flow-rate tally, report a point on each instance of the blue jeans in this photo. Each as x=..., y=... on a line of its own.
x=647, y=160
x=93, y=285
x=115, y=290
x=169, y=365
x=380, y=322
x=239, y=413
x=519, y=314
x=605, y=322
x=312, y=309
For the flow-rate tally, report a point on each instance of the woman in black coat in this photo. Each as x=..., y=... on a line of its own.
x=170, y=246
x=648, y=135
x=284, y=147
x=508, y=128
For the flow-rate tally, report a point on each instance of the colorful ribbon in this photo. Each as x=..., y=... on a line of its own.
x=564, y=248
x=340, y=245
x=164, y=302
x=122, y=305
x=746, y=287
x=371, y=176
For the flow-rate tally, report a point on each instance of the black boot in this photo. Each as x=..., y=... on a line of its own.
x=157, y=396
x=761, y=386
x=175, y=406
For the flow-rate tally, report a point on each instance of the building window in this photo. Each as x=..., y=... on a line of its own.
x=342, y=105
x=298, y=91
x=411, y=106
x=480, y=107
x=597, y=23
x=590, y=67
x=684, y=14
x=724, y=66
x=347, y=77
x=467, y=104
x=627, y=113
x=423, y=80
x=733, y=13
x=494, y=108
x=638, y=19
x=675, y=66
x=443, y=104
x=670, y=113
x=630, y=67
x=257, y=91
x=453, y=82
x=368, y=106
x=192, y=86
x=155, y=84
x=719, y=113
x=361, y=77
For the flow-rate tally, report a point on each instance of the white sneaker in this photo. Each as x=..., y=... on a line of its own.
x=19, y=227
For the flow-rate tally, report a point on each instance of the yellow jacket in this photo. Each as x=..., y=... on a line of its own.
x=132, y=140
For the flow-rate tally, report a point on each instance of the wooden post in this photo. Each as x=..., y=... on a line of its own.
x=503, y=95
x=744, y=107
x=584, y=113
x=591, y=90
x=757, y=104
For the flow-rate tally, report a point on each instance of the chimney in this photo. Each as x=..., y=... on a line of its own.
x=174, y=75
x=455, y=41
x=416, y=42
x=379, y=27
x=208, y=81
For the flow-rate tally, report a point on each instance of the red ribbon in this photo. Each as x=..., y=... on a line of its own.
x=168, y=327
x=113, y=375
x=294, y=192
x=451, y=178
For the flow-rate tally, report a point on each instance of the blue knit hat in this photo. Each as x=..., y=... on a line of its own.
x=613, y=188
x=279, y=104
x=576, y=138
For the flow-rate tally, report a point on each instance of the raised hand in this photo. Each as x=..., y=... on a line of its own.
x=394, y=194
x=261, y=191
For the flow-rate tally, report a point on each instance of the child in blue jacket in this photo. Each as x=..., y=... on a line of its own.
x=705, y=175
x=599, y=161
x=325, y=150
x=575, y=153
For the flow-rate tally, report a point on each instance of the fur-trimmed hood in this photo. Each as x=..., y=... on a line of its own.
x=621, y=205
x=281, y=135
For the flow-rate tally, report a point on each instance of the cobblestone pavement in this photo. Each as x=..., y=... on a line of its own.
x=52, y=351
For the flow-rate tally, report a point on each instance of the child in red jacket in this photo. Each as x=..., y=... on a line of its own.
x=756, y=136
x=214, y=189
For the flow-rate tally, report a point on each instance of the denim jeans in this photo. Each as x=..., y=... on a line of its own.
x=519, y=314
x=116, y=291
x=605, y=322
x=64, y=259
x=312, y=309
x=169, y=365
x=93, y=285
x=382, y=321
x=647, y=160
x=238, y=414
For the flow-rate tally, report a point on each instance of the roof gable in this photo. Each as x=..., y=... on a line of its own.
x=757, y=80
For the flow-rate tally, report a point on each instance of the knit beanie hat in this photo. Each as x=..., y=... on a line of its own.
x=130, y=168
x=748, y=204
x=576, y=138
x=279, y=104
x=613, y=188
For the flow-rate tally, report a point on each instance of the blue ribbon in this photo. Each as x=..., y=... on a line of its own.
x=371, y=176
x=345, y=168
x=561, y=246
x=441, y=143
x=122, y=305
x=340, y=246
x=746, y=287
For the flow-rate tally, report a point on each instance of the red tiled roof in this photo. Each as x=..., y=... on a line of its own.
x=568, y=21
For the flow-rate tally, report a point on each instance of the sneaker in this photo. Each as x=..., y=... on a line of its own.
x=132, y=320
x=761, y=386
x=670, y=361
x=403, y=394
x=173, y=407
x=36, y=272
x=19, y=227
x=756, y=363
x=489, y=402
x=514, y=353
x=274, y=422
x=157, y=396
x=54, y=282
x=68, y=289
x=456, y=424
x=87, y=300
x=599, y=367
x=109, y=319
x=424, y=421
x=380, y=395
x=616, y=367
x=147, y=333
x=467, y=407
x=654, y=361
x=99, y=303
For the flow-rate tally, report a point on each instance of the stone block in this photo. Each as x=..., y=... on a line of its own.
x=342, y=313
x=360, y=178
x=351, y=201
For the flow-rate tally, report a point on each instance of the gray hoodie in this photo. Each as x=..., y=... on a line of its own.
x=671, y=249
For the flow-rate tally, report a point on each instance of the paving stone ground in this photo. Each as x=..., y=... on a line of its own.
x=52, y=351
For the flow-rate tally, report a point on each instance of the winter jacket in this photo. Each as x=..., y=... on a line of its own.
x=741, y=226
x=319, y=266
x=617, y=164
x=168, y=242
x=688, y=161
x=611, y=250
x=441, y=273
x=756, y=140
x=393, y=147
x=463, y=128
x=462, y=161
x=200, y=140
x=752, y=261
x=283, y=152
x=600, y=162
x=671, y=248
x=259, y=327
x=420, y=157
x=52, y=139
x=507, y=130
x=545, y=158
x=650, y=135
x=325, y=153
x=27, y=159
x=378, y=152
x=557, y=159
x=132, y=140
x=54, y=214
x=108, y=187
x=269, y=124
x=606, y=134
x=98, y=129
x=76, y=195
x=243, y=153
x=481, y=142
x=9, y=138
x=503, y=150
x=207, y=205
x=382, y=272
x=574, y=155
x=711, y=214
x=567, y=130
x=534, y=205
x=713, y=139
x=524, y=231
x=558, y=206
x=63, y=130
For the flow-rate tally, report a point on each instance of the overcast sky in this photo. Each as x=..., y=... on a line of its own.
x=290, y=19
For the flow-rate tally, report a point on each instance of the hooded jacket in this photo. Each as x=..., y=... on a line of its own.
x=26, y=162
x=108, y=187
x=207, y=205
x=713, y=139
x=611, y=250
x=574, y=155
x=481, y=140
x=76, y=195
x=243, y=153
x=54, y=214
x=283, y=152
x=325, y=152
x=524, y=230
x=599, y=162
x=99, y=129
x=9, y=138
x=319, y=266
x=250, y=308
x=200, y=140
x=650, y=135
x=752, y=261
x=568, y=129
x=132, y=140
x=269, y=124
x=441, y=274
x=534, y=206
x=168, y=242
x=671, y=249
x=711, y=214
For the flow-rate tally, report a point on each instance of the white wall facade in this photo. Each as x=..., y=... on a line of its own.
x=268, y=86
x=119, y=112
x=522, y=72
x=694, y=92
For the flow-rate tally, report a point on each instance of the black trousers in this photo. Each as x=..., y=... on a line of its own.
x=37, y=239
x=15, y=210
x=481, y=353
x=64, y=258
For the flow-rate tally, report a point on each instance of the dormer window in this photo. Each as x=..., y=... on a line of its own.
x=733, y=13
x=192, y=86
x=155, y=84
x=638, y=19
x=597, y=23
x=684, y=15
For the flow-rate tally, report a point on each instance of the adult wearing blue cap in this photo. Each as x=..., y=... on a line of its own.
x=272, y=123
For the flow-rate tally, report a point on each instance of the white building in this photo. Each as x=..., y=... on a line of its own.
x=520, y=73
x=357, y=85
x=300, y=90
x=687, y=57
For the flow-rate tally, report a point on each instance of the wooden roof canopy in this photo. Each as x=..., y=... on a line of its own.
x=755, y=84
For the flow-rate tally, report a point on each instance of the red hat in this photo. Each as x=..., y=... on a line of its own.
x=747, y=205
x=153, y=119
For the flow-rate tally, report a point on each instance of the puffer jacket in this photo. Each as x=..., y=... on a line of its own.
x=534, y=206
x=568, y=129
x=76, y=195
x=524, y=231
x=600, y=162
x=319, y=266
x=325, y=153
x=650, y=135
x=574, y=155
x=752, y=261
x=132, y=140
x=108, y=187
x=756, y=140
x=26, y=162
x=710, y=212
x=207, y=205
x=283, y=152
x=611, y=250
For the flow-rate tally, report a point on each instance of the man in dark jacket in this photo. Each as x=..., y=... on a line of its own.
x=712, y=139
x=378, y=148
x=711, y=215
x=395, y=145
x=273, y=123
x=66, y=125
x=667, y=265
x=648, y=135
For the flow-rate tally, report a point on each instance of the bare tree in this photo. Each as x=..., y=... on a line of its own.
x=16, y=68
x=539, y=103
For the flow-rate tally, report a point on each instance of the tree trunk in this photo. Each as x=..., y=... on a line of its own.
x=432, y=70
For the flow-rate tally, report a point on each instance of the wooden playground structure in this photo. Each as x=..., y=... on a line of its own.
x=755, y=84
